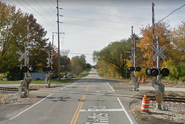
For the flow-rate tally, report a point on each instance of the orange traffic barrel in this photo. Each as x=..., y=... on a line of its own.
x=144, y=80
x=145, y=104
x=139, y=80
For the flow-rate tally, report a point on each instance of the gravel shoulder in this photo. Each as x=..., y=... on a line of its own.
x=171, y=113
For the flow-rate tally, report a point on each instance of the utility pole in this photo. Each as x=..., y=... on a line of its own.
x=58, y=41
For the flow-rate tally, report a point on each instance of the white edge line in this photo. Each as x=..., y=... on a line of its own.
x=63, y=88
x=30, y=107
x=125, y=111
x=111, y=87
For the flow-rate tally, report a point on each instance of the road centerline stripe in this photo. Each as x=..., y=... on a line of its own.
x=87, y=88
x=75, y=117
x=79, y=109
x=77, y=112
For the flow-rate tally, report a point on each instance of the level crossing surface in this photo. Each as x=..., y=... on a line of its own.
x=90, y=100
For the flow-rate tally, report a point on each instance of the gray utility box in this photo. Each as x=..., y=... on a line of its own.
x=38, y=76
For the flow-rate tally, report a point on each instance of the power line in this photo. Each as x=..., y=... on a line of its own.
x=171, y=13
x=100, y=20
x=82, y=53
x=105, y=14
x=43, y=8
x=51, y=25
x=68, y=42
x=50, y=6
x=95, y=26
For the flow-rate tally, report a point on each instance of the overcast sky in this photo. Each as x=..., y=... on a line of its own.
x=91, y=25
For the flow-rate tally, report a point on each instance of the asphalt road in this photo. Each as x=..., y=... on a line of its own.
x=90, y=100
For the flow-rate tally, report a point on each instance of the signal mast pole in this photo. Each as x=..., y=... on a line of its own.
x=153, y=31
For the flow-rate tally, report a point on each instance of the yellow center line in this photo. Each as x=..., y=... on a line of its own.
x=74, y=119
x=79, y=109
x=92, y=75
x=77, y=112
x=87, y=87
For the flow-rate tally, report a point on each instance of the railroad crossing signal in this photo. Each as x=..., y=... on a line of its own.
x=131, y=61
x=156, y=71
x=134, y=68
x=165, y=72
x=131, y=68
x=152, y=71
x=138, y=68
x=50, y=57
x=16, y=69
x=23, y=55
x=159, y=53
x=49, y=61
x=47, y=69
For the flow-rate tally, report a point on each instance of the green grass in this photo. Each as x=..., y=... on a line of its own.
x=53, y=81
x=83, y=74
x=10, y=82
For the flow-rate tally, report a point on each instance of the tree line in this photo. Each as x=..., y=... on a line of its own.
x=113, y=60
x=13, y=36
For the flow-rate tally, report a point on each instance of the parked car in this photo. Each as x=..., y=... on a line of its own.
x=65, y=76
x=71, y=75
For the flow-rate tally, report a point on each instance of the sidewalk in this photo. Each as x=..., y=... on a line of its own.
x=166, y=88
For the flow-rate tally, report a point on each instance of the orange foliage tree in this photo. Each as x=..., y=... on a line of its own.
x=146, y=42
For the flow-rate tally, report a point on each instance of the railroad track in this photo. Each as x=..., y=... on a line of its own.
x=167, y=99
x=8, y=89
x=12, y=89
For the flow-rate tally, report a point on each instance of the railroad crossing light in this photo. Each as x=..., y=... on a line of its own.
x=52, y=68
x=17, y=69
x=31, y=68
x=148, y=71
x=45, y=69
x=49, y=68
x=131, y=68
x=165, y=72
x=154, y=72
x=138, y=68
x=24, y=69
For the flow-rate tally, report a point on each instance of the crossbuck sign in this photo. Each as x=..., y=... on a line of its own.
x=159, y=53
x=23, y=55
x=131, y=61
x=49, y=61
